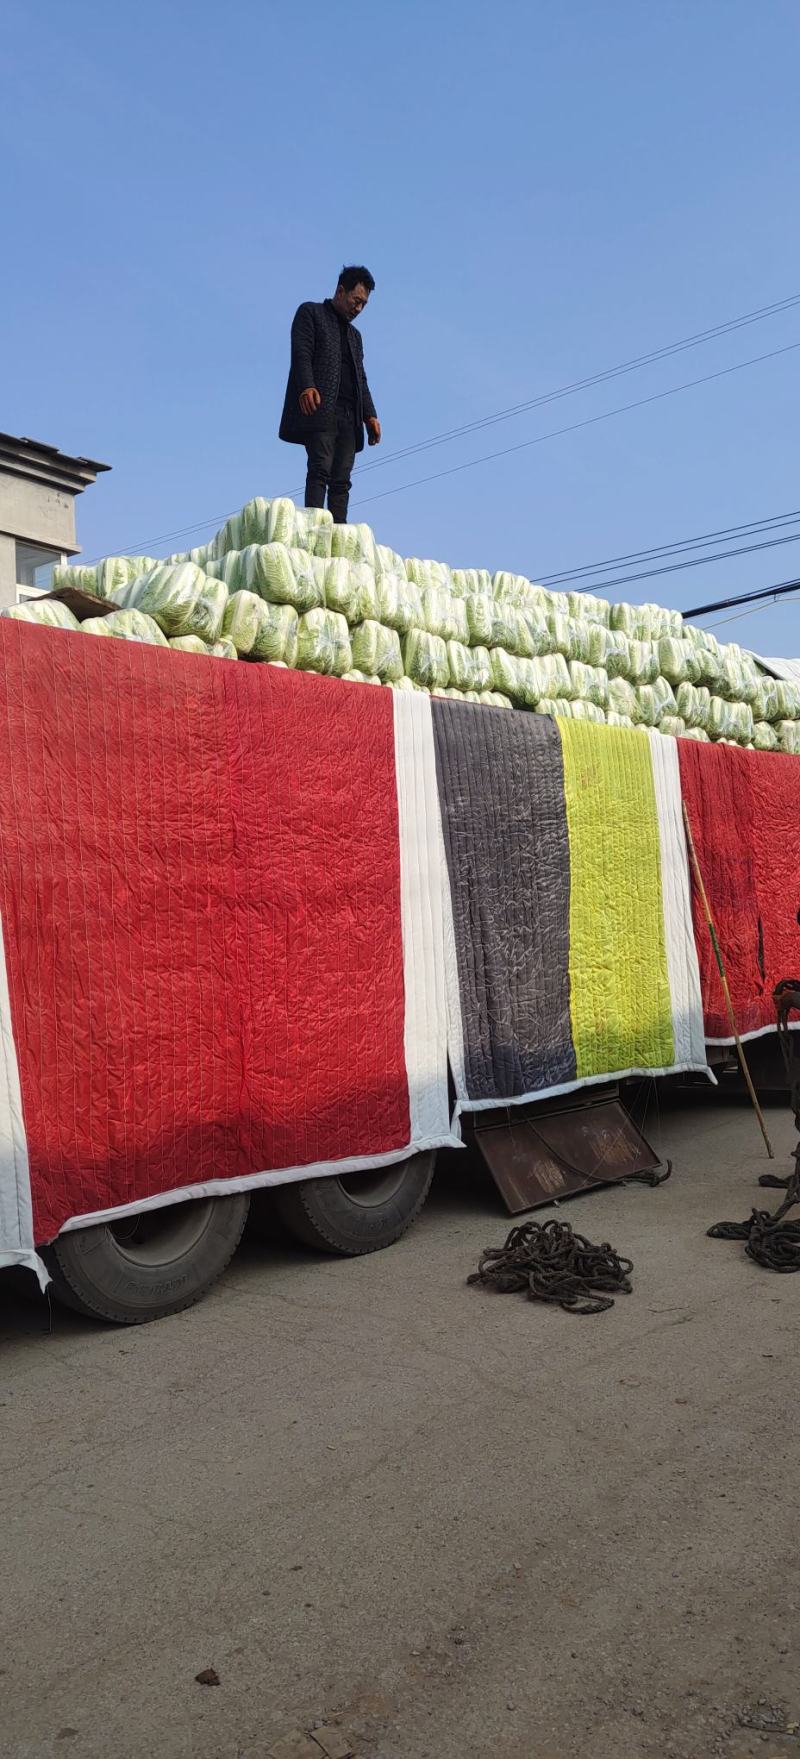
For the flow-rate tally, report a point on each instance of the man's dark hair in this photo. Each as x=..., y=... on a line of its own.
x=355, y=275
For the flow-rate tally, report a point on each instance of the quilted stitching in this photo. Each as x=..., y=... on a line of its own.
x=201, y=900
x=620, y=997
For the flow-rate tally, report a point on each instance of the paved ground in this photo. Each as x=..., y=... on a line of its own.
x=462, y=1524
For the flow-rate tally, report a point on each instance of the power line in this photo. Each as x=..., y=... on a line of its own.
x=655, y=355
x=588, y=421
x=791, y=599
x=745, y=598
x=700, y=541
x=691, y=562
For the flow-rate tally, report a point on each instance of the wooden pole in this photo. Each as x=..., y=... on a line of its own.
x=723, y=978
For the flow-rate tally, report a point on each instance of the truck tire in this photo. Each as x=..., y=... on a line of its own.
x=357, y=1212
x=145, y=1266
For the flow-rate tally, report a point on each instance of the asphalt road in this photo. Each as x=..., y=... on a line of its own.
x=454, y=1524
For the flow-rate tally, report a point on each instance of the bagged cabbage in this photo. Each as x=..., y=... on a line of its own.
x=590, y=683
x=789, y=736
x=428, y=576
x=540, y=640
x=697, y=733
x=730, y=720
x=585, y=607
x=551, y=705
x=495, y=699
x=388, y=562
x=480, y=619
x=788, y=700
x=740, y=679
x=356, y=542
x=223, y=649
x=469, y=582
x=693, y=703
x=259, y=630
x=648, y=707
x=586, y=711
x=765, y=707
x=765, y=737
x=622, y=698
x=617, y=658
x=400, y=684
x=48, y=611
x=182, y=599
x=627, y=619
x=507, y=674
x=398, y=602
x=459, y=664
x=259, y=522
x=323, y=644
x=75, y=574
x=664, y=697
x=674, y=725
x=552, y=677
x=284, y=576
x=189, y=644
x=341, y=587
x=615, y=720
x=117, y=571
x=509, y=586
x=313, y=530
x=701, y=638
x=642, y=662
x=377, y=650
x=480, y=668
x=130, y=625
x=425, y=659
x=675, y=660
x=444, y=615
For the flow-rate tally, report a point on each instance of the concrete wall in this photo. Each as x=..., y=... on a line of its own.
x=36, y=514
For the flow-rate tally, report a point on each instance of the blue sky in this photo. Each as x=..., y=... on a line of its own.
x=541, y=191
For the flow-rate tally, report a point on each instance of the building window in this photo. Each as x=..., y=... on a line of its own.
x=35, y=566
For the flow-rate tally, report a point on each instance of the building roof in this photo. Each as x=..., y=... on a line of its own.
x=45, y=464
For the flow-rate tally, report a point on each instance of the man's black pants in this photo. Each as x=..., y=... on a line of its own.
x=330, y=461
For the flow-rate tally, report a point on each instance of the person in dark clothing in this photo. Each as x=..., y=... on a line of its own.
x=328, y=401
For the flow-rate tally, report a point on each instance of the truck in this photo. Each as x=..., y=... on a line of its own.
x=267, y=931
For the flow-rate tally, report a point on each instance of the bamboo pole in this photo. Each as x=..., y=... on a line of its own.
x=723, y=978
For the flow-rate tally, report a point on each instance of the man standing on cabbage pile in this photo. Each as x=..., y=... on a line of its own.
x=328, y=400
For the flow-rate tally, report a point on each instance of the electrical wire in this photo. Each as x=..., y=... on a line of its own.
x=691, y=562
x=700, y=541
x=758, y=315
x=588, y=421
x=791, y=599
x=744, y=598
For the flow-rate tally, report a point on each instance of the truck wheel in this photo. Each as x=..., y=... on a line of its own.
x=145, y=1266
x=357, y=1212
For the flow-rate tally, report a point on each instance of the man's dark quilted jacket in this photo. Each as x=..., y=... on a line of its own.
x=316, y=360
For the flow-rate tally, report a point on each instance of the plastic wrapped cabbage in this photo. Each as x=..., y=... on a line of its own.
x=765, y=737
x=676, y=660
x=586, y=711
x=699, y=734
x=617, y=657
x=470, y=582
x=115, y=571
x=590, y=683
x=765, y=706
x=223, y=649
x=481, y=668
x=366, y=586
x=313, y=530
x=356, y=542
x=551, y=705
x=75, y=574
x=789, y=736
x=402, y=684
x=189, y=644
x=622, y=698
x=181, y=598
x=261, y=631
x=693, y=704
x=376, y=649
x=399, y=603
x=284, y=576
x=425, y=659
x=642, y=662
x=586, y=607
x=740, y=679
x=673, y=725
x=540, y=640
x=443, y=614
x=730, y=720
x=323, y=644
x=342, y=588
x=48, y=611
x=615, y=720
x=507, y=676
x=788, y=700
x=459, y=665
x=480, y=619
x=388, y=561
x=130, y=625
x=429, y=576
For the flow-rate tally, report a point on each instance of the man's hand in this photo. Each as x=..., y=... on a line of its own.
x=373, y=431
x=310, y=400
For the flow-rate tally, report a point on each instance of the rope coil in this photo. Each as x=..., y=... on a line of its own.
x=553, y=1264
